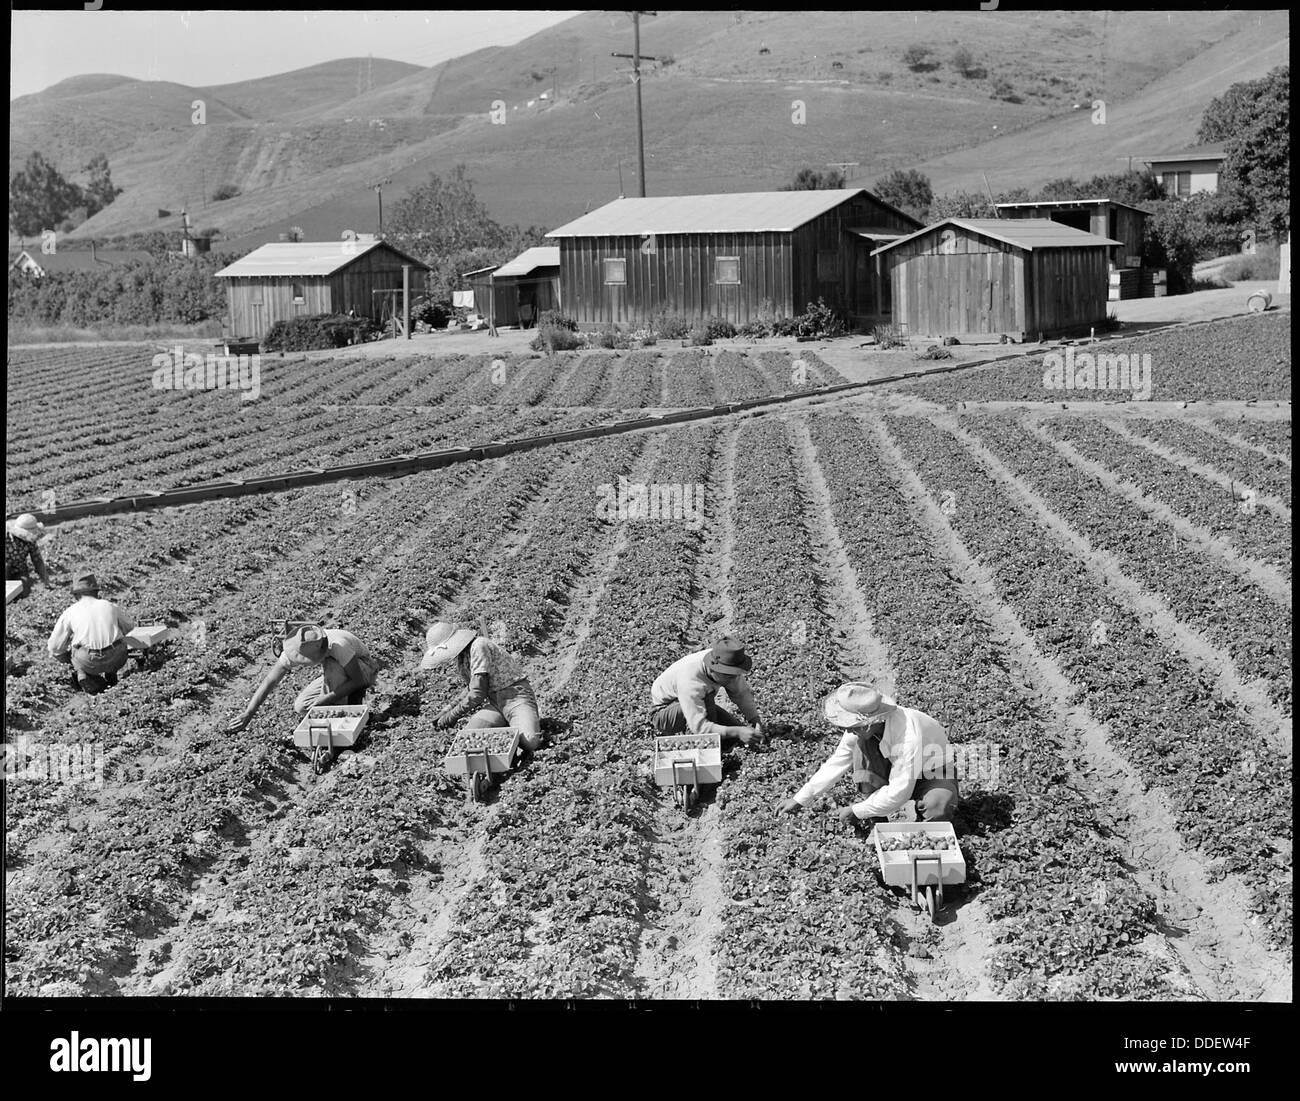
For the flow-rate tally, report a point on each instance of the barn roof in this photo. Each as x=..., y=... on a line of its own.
x=1025, y=233
x=740, y=212
x=1070, y=202
x=541, y=256
x=306, y=258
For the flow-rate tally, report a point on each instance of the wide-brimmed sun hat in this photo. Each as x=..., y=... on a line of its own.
x=728, y=658
x=85, y=585
x=853, y=704
x=306, y=646
x=443, y=641
x=25, y=527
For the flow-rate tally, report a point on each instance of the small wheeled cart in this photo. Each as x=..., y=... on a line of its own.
x=922, y=857
x=328, y=730
x=480, y=753
x=685, y=761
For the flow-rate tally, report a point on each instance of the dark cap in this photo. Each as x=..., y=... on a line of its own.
x=85, y=585
x=729, y=658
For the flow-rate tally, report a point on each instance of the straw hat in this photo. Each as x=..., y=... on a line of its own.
x=443, y=641
x=728, y=657
x=85, y=585
x=852, y=704
x=26, y=527
x=306, y=646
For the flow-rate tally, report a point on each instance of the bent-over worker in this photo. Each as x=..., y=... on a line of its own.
x=348, y=671
x=22, y=536
x=91, y=637
x=497, y=691
x=896, y=754
x=684, y=696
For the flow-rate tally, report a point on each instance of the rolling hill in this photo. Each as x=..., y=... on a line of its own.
x=720, y=113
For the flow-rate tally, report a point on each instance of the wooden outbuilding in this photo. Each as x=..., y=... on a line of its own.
x=733, y=256
x=1122, y=222
x=981, y=277
x=281, y=281
x=517, y=292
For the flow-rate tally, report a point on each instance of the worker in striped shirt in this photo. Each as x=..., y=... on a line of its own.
x=896, y=754
x=684, y=696
x=91, y=637
x=347, y=672
x=22, y=538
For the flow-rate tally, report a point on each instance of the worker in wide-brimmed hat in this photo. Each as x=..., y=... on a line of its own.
x=22, y=535
x=684, y=696
x=347, y=671
x=497, y=692
x=896, y=754
x=91, y=637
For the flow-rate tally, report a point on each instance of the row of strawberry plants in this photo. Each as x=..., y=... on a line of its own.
x=556, y=912
x=804, y=915
x=635, y=381
x=800, y=370
x=584, y=381
x=1256, y=533
x=690, y=379
x=1272, y=435
x=1229, y=791
x=1248, y=467
x=1231, y=611
x=1030, y=836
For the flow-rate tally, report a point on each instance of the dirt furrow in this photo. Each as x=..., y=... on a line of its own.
x=1216, y=429
x=1250, y=697
x=1206, y=924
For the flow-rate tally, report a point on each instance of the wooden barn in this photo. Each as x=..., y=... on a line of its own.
x=1122, y=222
x=980, y=277
x=279, y=282
x=517, y=292
x=733, y=256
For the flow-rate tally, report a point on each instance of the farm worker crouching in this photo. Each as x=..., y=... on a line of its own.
x=896, y=754
x=497, y=692
x=684, y=696
x=21, y=537
x=91, y=637
x=348, y=671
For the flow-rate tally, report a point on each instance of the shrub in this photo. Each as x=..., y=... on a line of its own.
x=224, y=192
x=756, y=328
x=719, y=328
x=433, y=314
x=964, y=62
x=700, y=336
x=935, y=351
x=645, y=338
x=1112, y=323
x=670, y=326
x=555, y=338
x=610, y=336
x=919, y=58
x=888, y=336
x=557, y=320
x=818, y=322
x=305, y=334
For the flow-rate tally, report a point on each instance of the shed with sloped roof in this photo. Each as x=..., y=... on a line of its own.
x=981, y=277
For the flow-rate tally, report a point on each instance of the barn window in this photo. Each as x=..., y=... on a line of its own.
x=726, y=269
x=616, y=272
x=299, y=292
x=828, y=266
x=1178, y=184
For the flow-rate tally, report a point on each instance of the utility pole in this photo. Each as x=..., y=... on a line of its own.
x=636, y=56
x=378, y=188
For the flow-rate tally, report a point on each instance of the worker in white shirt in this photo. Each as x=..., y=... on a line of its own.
x=348, y=671
x=896, y=754
x=684, y=696
x=91, y=637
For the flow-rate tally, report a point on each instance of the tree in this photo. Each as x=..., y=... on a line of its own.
x=99, y=192
x=908, y=190
x=919, y=58
x=961, y=204
x=1182, y=231
x=39, y=197
x=1133, y=187
x=809, y=179
x=1253, y=120
x=964, y=62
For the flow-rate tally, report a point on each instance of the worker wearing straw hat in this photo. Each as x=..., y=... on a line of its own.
x=896, y=754
x=497, y=692
x=347, y=671
x=91, y=637
x=684, y=696
x=22, y=535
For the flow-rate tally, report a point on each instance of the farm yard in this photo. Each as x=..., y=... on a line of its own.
x=1097, y=594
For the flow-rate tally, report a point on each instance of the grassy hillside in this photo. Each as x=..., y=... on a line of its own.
x=303, y=147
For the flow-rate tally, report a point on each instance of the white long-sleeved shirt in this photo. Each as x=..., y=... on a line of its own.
x=687, y=682
x=913, y=743
x=90, y=622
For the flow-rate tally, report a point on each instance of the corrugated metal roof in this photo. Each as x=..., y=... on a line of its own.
x=742, y=212
x=1212, y=152
x=541, y=256
x=1025, y=233
x=304, y=258
x=1070, y=202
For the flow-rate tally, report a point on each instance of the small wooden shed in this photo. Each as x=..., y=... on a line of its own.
x=281, y=281
x=981, y=277
x=1104, y=217
x=517, y=292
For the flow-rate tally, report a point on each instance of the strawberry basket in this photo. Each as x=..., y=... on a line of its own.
x=480, y=752
x=922, y=857
x=684, y=762
x=329, y=729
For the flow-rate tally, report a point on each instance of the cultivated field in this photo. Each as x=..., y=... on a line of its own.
x=1102, y=592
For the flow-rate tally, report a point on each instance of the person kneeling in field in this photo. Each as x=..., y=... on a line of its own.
x=497, y=692
x=348, y=671
x=21, y=550
x=896, y=754
x=684, y=696
x=91, y=637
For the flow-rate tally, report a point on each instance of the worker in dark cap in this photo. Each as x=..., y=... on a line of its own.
x=348, y=671
x=91, y=637
x=684, y=696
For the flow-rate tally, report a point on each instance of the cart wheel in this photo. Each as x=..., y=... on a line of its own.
x=930, y=903
x=318, y=760
x=479, y=785
x=691, y=797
